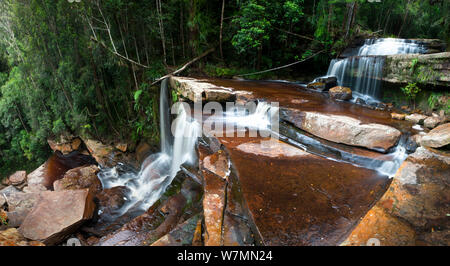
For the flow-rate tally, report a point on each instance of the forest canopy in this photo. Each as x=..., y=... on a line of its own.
x=86, y=67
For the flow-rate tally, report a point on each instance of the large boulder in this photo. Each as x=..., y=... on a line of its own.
x=344, y=129
x=79, y=178
x=340, y=93
x=438, y=137
x=414, y=210
x=58, y=214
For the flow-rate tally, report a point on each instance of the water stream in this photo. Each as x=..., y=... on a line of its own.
x=363, y=71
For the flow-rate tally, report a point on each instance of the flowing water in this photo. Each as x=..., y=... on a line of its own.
x=158, y=170
x=363, y=72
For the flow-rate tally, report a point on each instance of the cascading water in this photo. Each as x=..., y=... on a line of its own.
x=158, y=170
x=363, y=72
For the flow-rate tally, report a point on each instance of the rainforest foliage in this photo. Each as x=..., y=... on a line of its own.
x=85, y=67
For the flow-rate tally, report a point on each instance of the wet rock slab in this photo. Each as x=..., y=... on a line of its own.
x=296, y=198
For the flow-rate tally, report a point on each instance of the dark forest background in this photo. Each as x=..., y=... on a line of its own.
x=85, y=67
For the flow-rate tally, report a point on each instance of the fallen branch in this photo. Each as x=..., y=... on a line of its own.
x=184, y=66
x=281, y=67
x=117, y=54
x=298, y=35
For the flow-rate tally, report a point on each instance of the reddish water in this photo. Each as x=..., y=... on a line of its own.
x=295, y=96
x=297, y=198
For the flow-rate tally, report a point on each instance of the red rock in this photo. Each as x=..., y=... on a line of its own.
x=420, y=192
x=79, y=178
x=340, y=93
x=65, y=145
x=18, y=178
x=218, y=164
x=437, y=137
x=58, y=214
x=389, y=230
x=213, y=206
x=416, y=202
x=398, y=116
x=197, y=240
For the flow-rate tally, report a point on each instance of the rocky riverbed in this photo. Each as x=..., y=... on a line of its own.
x=323, y=182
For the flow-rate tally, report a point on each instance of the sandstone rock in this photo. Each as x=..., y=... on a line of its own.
x=419, y=193
x=79, y=178
x=122, y=147
x=218, y=164
x=101, y=152
x=66, y=144
x=323, y=83
x=437, y=137
x=12, y=237
x=389, y=230
x=398, y=116
x=344, y=129
x=397, y=68
x=18, y=178
x=431, y=122
x=197, y=89
x=197, y=240
x=57, y=215
x=416, y=202
x=340, y=93
x=416, y=118
x=182, y=235
x=214, y=197
x=36, y=179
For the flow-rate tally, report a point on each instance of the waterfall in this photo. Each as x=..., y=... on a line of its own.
x=363, y=72
x=158, y=170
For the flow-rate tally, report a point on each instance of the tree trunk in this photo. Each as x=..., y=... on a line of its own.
x=161, y=30
x=221, y=29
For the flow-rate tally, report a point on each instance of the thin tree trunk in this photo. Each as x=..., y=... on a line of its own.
x=404, y=18
x=221, y=29
x=161, y=30
x=182, y=31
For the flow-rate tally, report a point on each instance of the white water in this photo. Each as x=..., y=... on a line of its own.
x=363, y=73
x=158, y=170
